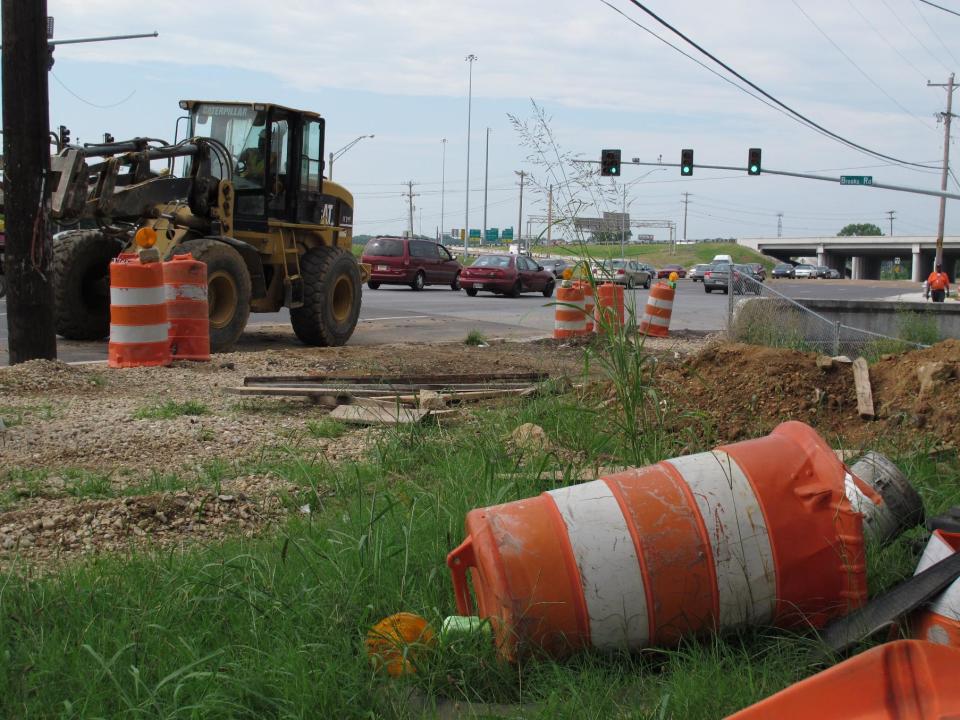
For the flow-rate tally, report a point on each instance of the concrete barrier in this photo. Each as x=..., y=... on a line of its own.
x=888, y=317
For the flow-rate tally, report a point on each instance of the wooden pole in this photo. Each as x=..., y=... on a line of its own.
x=26, y=147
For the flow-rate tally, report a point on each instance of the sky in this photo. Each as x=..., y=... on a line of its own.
x=397, y=70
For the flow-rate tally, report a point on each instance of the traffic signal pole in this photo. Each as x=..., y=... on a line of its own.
x=807, y=176
x=946, y=165
x=26, y=148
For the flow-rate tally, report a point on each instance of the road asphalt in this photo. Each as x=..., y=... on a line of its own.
x=437, y=314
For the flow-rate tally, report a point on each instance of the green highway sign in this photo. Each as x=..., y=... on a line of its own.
x=475, y=233
x=856, y=179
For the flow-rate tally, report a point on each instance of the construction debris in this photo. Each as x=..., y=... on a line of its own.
x=383, y=415
x=528, y=439
x=861, y=379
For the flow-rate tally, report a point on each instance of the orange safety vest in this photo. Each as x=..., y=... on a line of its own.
x=938, y=281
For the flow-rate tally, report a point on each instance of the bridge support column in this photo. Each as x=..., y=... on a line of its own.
x=856, y=267
x=821, y=255
x=916, y=264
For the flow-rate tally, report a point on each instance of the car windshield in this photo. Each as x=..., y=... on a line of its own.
x=499, y=261
x=617, y=264
x=384, y=247
x=782, y=267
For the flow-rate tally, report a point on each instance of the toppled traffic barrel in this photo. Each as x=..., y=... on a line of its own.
x=896, y=681
x=939, y=622
x=757, y=532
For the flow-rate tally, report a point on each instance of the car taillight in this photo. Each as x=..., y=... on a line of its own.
x=621, y=272
x=708, y=274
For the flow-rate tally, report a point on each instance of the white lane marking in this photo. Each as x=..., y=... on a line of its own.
x=738, y=535
x=398, y=317
x=609, y=569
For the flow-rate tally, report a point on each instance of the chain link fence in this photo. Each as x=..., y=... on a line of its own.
x=759, y=315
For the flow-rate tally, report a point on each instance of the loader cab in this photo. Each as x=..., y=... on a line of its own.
x=276, y=154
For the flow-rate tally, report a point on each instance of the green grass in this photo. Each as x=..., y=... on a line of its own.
x=475, y=337
x=325, y=428
x=171, y=409
x=273, y=627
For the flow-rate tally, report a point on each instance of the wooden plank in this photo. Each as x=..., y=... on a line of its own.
x=360, y=415
x=386, y=388
x=861, y=380
x=309, y=392
x=414, y=379
x=326, y=399
x=455, y=396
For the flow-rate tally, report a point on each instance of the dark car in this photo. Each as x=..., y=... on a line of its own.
x=783, y=270
x=716, y=277
x=823, y=272
x=405, y=261
x=555, y=265
x=697, y=271
x=665, y=271
x=507, y=275
x=758, y=271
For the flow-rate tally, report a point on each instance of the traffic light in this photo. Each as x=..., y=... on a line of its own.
x=753, y=161
x=107, y=138
x=63, y=136
x=686, y=162
x=610, y=163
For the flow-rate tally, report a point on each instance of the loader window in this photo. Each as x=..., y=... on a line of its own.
x=277, y=186
x=243, y=131
x=310, y=209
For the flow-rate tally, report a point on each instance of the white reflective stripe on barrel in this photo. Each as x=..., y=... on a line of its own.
x=132, y=297
x=658, y=303
x=609, y=569
x=656, y=320
x=947, y=603
x=569, y=324
x=188, y=292
x=738, y=535
x=126, y=334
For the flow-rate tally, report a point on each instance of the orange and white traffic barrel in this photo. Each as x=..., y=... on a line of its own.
x=898, y=680
x=939, y=622
x=656, y=315
x=138, y=314
x=185, y=286
x=758, y=532
x=588, y=303
x=609, y=311
x=568, y=320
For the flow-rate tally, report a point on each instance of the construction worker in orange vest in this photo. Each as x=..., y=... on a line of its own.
x=939, y=284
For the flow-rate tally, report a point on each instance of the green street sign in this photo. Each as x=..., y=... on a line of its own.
x=856, y=179
x=475, y=233
x=507, y=234
x=493, y=234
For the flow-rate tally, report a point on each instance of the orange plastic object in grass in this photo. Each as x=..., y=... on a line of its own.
x=392, y=642
x=903, y=680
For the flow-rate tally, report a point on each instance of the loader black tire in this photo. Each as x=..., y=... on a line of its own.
x=331, y=297
x=228, y=289
x=81, y=283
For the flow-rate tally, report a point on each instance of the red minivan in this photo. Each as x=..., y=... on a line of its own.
x=404, y=261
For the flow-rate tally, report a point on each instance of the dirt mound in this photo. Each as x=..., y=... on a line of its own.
x=65, y=527
x=43, y=375
x=739, y=391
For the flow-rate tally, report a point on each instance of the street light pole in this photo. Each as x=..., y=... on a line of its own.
x=339, y=153
x=466, y=220
x=443, y=187
x=486, y=179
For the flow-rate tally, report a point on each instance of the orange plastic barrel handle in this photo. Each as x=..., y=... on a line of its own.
x=459, y=561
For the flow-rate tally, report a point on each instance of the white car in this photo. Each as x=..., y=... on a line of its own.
x=804, y=271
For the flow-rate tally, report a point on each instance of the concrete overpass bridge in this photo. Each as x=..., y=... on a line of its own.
x=862, y=256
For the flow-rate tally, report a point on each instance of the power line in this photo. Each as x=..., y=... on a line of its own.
x=860, y=69
x=887, y=41
x=795, y=113
x=939, y=7
x=913, y=35
x=935, y=33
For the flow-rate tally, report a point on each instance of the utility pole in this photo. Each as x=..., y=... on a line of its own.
x=780, y=224
x=522, y=174
x=26, y=149
x=550, y=216
x=410, y=195
x=890, y=215
x=623, y=223
x=486, y=177
x=686, y=202
x=443, y=188
x=471, y=58
x=946, y=162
